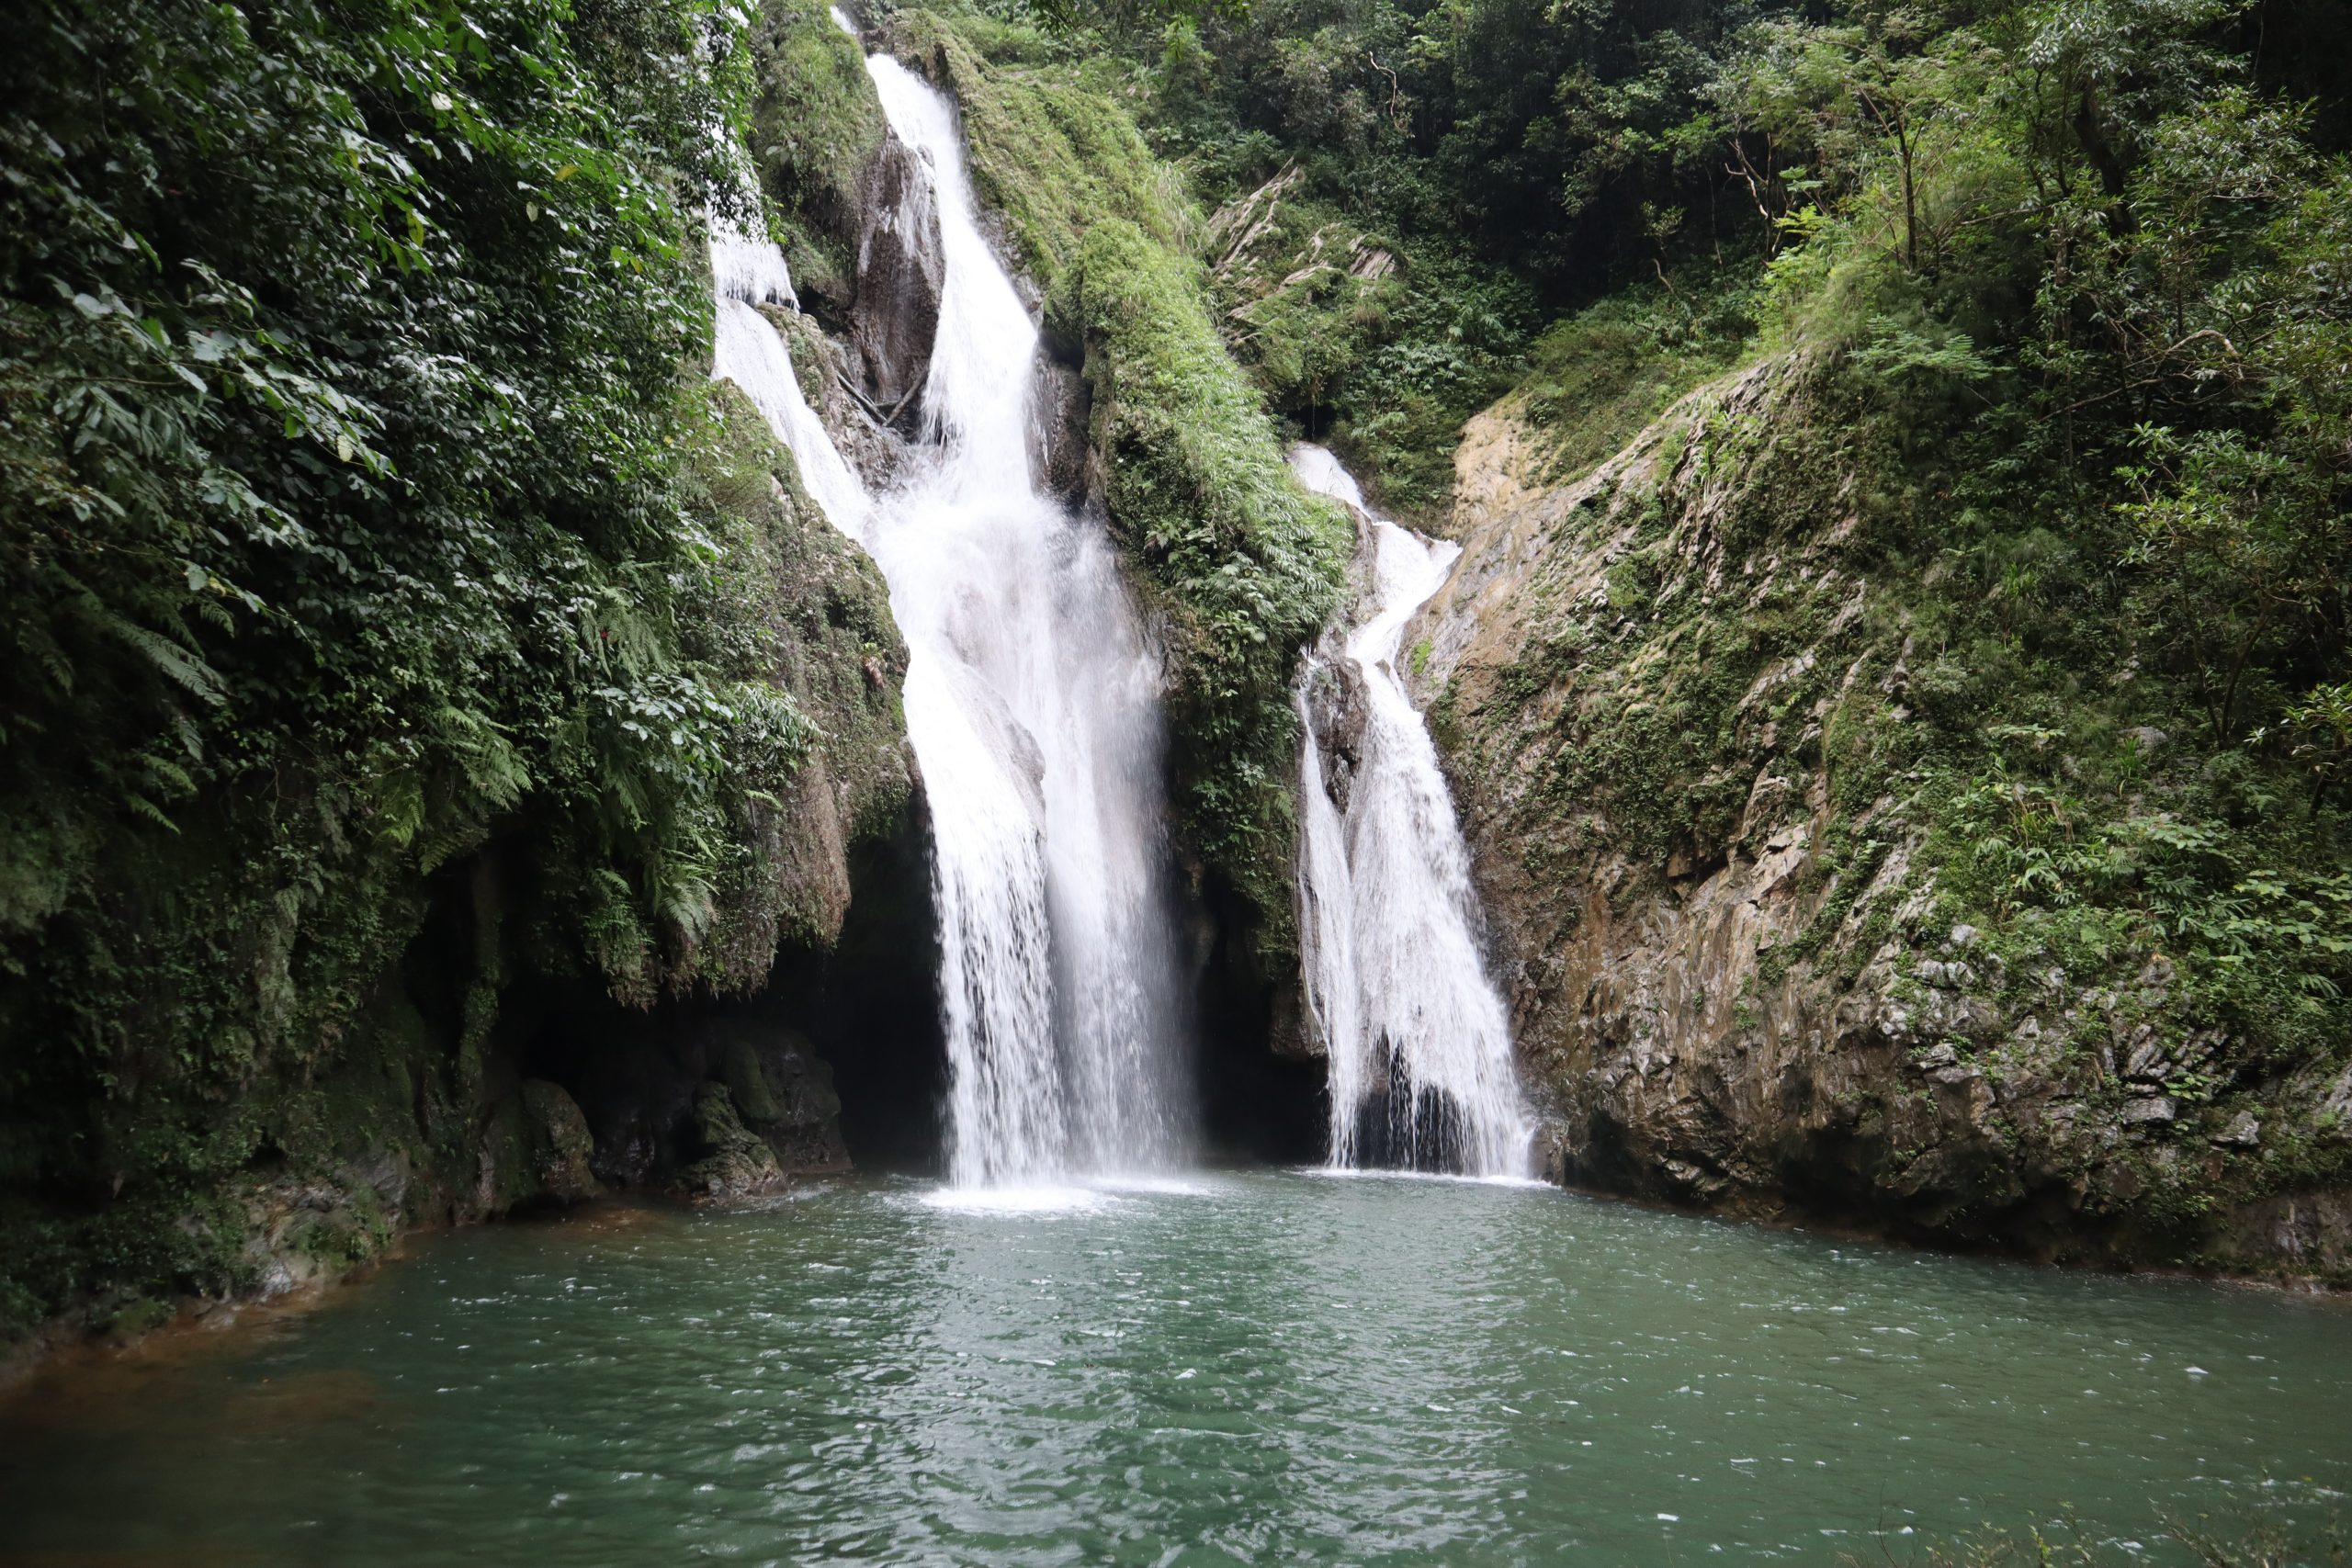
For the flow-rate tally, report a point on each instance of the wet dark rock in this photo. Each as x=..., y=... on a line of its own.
x=2309, y=1232
x=644, y=1082
x=1338, y=707
x=784, y=1093
x=747, y=1082
x=384, y=1173
x=1061, y=454
x=560, y=1142
x=900, y=271
x=734, y=1160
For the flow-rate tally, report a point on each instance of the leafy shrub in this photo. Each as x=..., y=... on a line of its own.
x=353, y=520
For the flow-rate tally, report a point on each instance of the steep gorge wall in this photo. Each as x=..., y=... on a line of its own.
x=1695, y=736
x=521, y=775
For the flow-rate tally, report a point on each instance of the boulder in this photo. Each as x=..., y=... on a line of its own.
x=788, y=1101
x=900, y=271
x=734, y=1160
x=560, y=1142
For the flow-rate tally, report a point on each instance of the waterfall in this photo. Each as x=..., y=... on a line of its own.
x=746, y=273
x=1421, y=1052
x=1033, y=703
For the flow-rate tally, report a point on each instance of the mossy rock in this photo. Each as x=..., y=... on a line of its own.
x=815, y=124
x=509, y=1167
x=132, y=1319
x=735, y=1160
x=1248, y=566
x=561, y=1141
x=1051, y=152
x=748, y=1085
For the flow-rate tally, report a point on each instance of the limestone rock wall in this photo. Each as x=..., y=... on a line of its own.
x=1717, y=929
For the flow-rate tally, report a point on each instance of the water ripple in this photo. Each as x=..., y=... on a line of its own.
x=1249, y=1369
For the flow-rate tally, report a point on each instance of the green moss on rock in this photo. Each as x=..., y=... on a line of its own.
x=734, y=1159
x=1051, y=152
x=815, y=124
x=749, y=1085
x=1246, y=564
x=560, y=1142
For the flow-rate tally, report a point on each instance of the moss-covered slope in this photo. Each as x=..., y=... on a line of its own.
x=1240, y=564
x=1823, y=883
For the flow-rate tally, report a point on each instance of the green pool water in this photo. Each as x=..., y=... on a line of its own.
x=1246, y=1367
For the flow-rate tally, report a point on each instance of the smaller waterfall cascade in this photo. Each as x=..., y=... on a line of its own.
x=1421, y=1052
x=1031, y=700
x=745, y=349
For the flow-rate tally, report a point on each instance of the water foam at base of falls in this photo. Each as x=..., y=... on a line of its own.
x=1032, y=701
x=1396, y=985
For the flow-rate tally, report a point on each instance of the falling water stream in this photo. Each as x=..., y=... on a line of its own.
x=1419, y=1046
x=1319, y=1368
x=1032, y=702
x=1031, y=699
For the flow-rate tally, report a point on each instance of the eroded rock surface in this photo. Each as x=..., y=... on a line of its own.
x=1659, y=688
x=900, y=271
x=1061, y=455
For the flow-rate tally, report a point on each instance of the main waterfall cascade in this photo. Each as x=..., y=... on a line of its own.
x=1419, y=1046
x=1032, y=701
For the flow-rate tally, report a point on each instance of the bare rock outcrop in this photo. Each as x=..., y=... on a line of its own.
x=901, y=272
x=1061, y=451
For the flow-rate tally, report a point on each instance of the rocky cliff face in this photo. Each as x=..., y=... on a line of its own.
x=900, y=270
x=1677, y=696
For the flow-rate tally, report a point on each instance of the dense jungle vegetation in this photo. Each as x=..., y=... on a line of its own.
x=362, y=504
x=359, y=508
x=2068, y=285
x=1529, y=160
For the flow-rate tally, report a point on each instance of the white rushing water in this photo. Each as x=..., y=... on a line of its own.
x=1419, y=1046
x=1032, y=699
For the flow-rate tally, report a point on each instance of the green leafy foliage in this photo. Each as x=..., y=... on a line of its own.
x=361, y=511
x=1249, y=563
x=2079, y=309
x=1245, y=565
